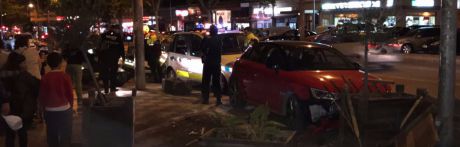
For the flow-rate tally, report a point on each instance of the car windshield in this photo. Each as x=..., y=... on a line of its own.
x=302, y=58
x=232, y=43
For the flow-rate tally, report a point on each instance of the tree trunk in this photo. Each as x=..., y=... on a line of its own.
x=157, y=17
x=446, y=92
x=301, y=18
x=273, y=17
x=139, y=45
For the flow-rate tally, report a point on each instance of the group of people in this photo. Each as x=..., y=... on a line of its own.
x=32, y=80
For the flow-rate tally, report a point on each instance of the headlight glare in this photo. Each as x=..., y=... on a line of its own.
x=323, y=94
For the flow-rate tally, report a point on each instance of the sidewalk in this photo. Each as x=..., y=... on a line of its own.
x=163, y=120
x=154, y=110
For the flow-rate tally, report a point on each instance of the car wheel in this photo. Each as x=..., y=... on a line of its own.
x=406, y=49
x=297, y=114
x=236, y=96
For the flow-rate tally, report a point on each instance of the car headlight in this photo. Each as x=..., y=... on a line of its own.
x=226, y=68
x=323, y=94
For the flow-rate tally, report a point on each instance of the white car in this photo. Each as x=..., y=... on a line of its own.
x=183, y=56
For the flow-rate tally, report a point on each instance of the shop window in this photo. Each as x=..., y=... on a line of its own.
x=420, y=20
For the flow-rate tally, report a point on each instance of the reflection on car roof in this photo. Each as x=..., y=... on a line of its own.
x=298, y=43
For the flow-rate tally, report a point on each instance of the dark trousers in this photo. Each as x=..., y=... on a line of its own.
x=211, y=72
x=109, y=75
x=155, y=70
x=59, y=128
x=10, y=137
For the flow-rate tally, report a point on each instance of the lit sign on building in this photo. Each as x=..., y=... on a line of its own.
x=269, y=10
x=182, y=13
x=354, y=5
x=423, y=3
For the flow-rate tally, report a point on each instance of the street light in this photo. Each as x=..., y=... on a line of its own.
x=30, y=5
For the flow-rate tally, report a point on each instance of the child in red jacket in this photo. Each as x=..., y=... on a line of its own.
x=56, y=98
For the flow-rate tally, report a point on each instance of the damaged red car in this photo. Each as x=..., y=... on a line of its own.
x=297, y=80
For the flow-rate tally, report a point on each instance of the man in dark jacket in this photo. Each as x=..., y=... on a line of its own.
x=74, y=59
x=211, y=47
x=111, y=50
x=152, y=55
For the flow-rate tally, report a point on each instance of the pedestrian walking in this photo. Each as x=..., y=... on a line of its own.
x=75, y=59
x=211, y=46
x=152, y=55
x=31, y=54
x=23, y=91
x=111, y=49
x=56, y=98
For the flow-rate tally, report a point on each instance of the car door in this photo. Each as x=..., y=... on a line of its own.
x=253, y=67
x=178, y=57
x=270, y=80
x=195, y=67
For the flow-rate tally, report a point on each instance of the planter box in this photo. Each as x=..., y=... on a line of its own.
x=210, y=139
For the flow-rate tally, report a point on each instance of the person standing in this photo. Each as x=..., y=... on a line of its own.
x=211, y=47
x=74, y=59
x=23, y=91
x=31, y=54
x=56, y=98
x=111, y=49
x=152, y=55
x=250, y=37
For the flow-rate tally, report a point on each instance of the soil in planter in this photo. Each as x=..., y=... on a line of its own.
x=180, y=133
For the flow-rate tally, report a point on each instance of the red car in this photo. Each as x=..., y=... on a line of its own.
x=295, y=79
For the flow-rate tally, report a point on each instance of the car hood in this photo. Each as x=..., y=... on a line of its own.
x=226, y=59
x=331, y=79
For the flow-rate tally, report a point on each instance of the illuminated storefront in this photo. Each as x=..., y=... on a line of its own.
x=223, y=19
x=263, y=15
x=412, y=12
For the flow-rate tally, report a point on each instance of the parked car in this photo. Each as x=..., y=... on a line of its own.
x=183, y=56
x=432, y=46
x=291, y=35
x=299, y=80
x=412, y=42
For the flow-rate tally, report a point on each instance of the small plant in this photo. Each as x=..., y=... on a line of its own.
x=258, y=127
x=230, y=126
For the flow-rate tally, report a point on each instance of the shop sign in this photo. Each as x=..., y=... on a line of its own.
x=355, y=5
x=311, y=11
x=423, y=3
x=182, y=13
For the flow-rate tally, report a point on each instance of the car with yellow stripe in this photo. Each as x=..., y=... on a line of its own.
x=183, y=56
